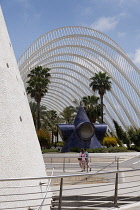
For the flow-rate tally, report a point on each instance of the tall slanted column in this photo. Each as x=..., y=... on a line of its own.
x=20, y=154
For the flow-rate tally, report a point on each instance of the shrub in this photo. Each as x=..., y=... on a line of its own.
x=135, y=138
x=103, y=150
x=98, y=150
x=60, y=144
x=135, y=148
x=110, y=141
x=75, y=149
x=49, y=150
x=117, y=149
x=44, y=138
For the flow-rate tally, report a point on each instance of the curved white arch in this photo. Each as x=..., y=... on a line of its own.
x=113, y=62
x=61, y=101
x=52, y=106
x=65, y=97
x=110, y=61
x=125, y=93
x=115, y=49
x=127, y=113
x=64, y=85
x=85, y=51
x=133, y=105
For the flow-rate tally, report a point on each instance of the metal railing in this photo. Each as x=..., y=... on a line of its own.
x=48, y=187
x=68, y=163
x=96, y=192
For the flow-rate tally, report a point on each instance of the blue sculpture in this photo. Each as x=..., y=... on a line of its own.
x=81, y=134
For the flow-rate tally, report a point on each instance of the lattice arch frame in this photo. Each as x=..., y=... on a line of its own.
x=74, y=54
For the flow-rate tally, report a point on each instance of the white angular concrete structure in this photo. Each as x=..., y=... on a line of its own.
x=20, y=151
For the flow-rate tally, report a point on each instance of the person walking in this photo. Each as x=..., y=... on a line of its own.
x=82, y=159
x=87, y=160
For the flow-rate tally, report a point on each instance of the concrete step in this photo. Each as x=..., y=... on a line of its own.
x=87, y=206
x=77, y=208
x=89, y=202
x=95, y=198
x=83, y=198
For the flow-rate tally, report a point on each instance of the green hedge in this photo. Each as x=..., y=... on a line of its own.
x=102, y=150
x=97, y=150
x=117, y=149
x=136, y=148
x=49, y=150
x=60, y=144
x=75, y=149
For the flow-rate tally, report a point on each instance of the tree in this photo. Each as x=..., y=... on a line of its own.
x=100, y=82
x=43, y=113
x=33, y=108
x=39, y=78
x=52, y=120
x=92, y=107
x=68, y=114
x=135, y=136
x=44, y=138
x=122, y=135
x=49, y=122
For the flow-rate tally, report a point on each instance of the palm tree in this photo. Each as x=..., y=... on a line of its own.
x=43, y=113
x=39, y=78
x=33, y=108
x=68, y=114
x=100, y=82
x=92, y=107
x=48, y=119
x=51, y=121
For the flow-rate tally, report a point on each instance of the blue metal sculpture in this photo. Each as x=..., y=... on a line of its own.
x=81, y=134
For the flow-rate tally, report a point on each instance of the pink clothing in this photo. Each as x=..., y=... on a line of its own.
x=83, y=156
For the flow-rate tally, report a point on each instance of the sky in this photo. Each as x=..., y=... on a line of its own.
x=27, y=20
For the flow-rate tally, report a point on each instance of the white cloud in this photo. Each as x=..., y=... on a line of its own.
x=137, y=56
x=105, y=24
x=27, y=10
x=126, y=3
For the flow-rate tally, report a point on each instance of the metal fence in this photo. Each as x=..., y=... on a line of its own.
x=69, y=191
x=67, y=164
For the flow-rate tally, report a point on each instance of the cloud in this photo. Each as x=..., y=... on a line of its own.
x=105, y=23
x=126, y=3
x=29, y=13
x=137, y=56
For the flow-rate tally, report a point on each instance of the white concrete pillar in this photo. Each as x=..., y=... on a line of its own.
x=20, y=154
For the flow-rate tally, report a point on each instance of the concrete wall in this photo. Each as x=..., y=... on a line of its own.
x=20, y=154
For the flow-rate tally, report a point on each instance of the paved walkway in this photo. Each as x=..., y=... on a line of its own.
x=129, y=182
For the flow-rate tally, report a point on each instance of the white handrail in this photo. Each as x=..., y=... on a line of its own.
x=90, y=192
x=64, y=176
x=40, y=207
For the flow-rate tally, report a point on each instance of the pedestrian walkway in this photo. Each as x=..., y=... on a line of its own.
x=101, y=188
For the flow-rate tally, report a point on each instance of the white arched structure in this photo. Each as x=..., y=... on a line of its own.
x=74, y=54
